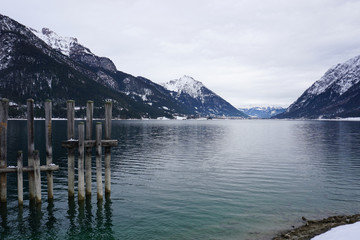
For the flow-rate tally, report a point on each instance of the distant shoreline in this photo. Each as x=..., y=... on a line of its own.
x=312, y=228
x=353, y=119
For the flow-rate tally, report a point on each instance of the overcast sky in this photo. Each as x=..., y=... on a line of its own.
x=261, y=52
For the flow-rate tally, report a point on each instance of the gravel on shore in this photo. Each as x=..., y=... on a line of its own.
x=312, y=228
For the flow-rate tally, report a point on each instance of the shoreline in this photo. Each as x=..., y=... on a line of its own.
x=312, y=228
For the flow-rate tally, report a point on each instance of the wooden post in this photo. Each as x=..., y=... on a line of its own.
x=31, y=147
x=37, y=177
x=71, y=151
x=20, y=178
x=98, y=162
x=89, y=121
x=4, y=109
x=48, y=140
x=108, y=116
x=81, y=189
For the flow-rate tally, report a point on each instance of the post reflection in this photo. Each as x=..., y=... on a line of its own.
x=20, y=220
x=108, y=217
x=35, y=217
x=51, y=220
x=89, y=222
x=4, y=222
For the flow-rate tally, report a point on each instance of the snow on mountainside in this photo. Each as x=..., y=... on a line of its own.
x=200, y=99
x=70, y=47
x=32, y=67
x=137, y=88
x=341, y=77
x=188, y=85
x=262, y=112
x=335, y=94
x=42, y=64
x=62, y=44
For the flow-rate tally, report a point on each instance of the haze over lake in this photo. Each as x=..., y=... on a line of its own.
x=220, y=179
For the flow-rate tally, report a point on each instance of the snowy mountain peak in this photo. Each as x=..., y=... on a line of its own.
x=335, y=94
x=62, y=44
x=340, y=78
x=186, y=84
x=70, y=47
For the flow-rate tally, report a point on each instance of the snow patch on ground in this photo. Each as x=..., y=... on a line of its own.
x=348, y=232
x=354, y=119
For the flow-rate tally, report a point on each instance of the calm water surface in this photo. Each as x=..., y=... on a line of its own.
x=235, y=179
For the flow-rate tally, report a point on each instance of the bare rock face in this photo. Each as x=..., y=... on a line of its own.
x=84, y=55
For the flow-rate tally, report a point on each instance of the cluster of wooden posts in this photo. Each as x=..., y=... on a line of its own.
x=33, y=169
x=83, y=143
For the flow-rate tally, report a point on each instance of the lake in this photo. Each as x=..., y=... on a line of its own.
x=215, y=179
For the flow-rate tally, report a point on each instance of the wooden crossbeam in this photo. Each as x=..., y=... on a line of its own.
x=43, y=168
x=89, y=143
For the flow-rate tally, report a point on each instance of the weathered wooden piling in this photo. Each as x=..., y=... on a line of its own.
x=88, y=144
x=20, y=178
x=37, y=177
x=48, y=143
x=108, y=117
x=33, y=169
x=4, y=109
x=31, y=146
x=81, y=188
x=88, y=150
x=71, y=151
x=98, y=162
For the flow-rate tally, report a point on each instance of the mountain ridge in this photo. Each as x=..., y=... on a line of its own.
x=197, y=96
x=42, y=64
x=29, y=68
x=335, y=94
x=262, y=111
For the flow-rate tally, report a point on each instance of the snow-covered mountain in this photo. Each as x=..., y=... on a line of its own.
x=336, y=94
x=200, y=99
x=262, y=112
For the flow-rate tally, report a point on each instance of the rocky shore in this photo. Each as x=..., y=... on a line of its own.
x=312, y=228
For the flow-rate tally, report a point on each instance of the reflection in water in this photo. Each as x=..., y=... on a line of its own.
x=20, y=219
x=108, y=218
x=34, y=219
x=37, y=222
x=4, y=220
x=51, y=222
x=71, y=212
x=82, y=222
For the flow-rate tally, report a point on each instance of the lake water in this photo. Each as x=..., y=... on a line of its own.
x=234, y=179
